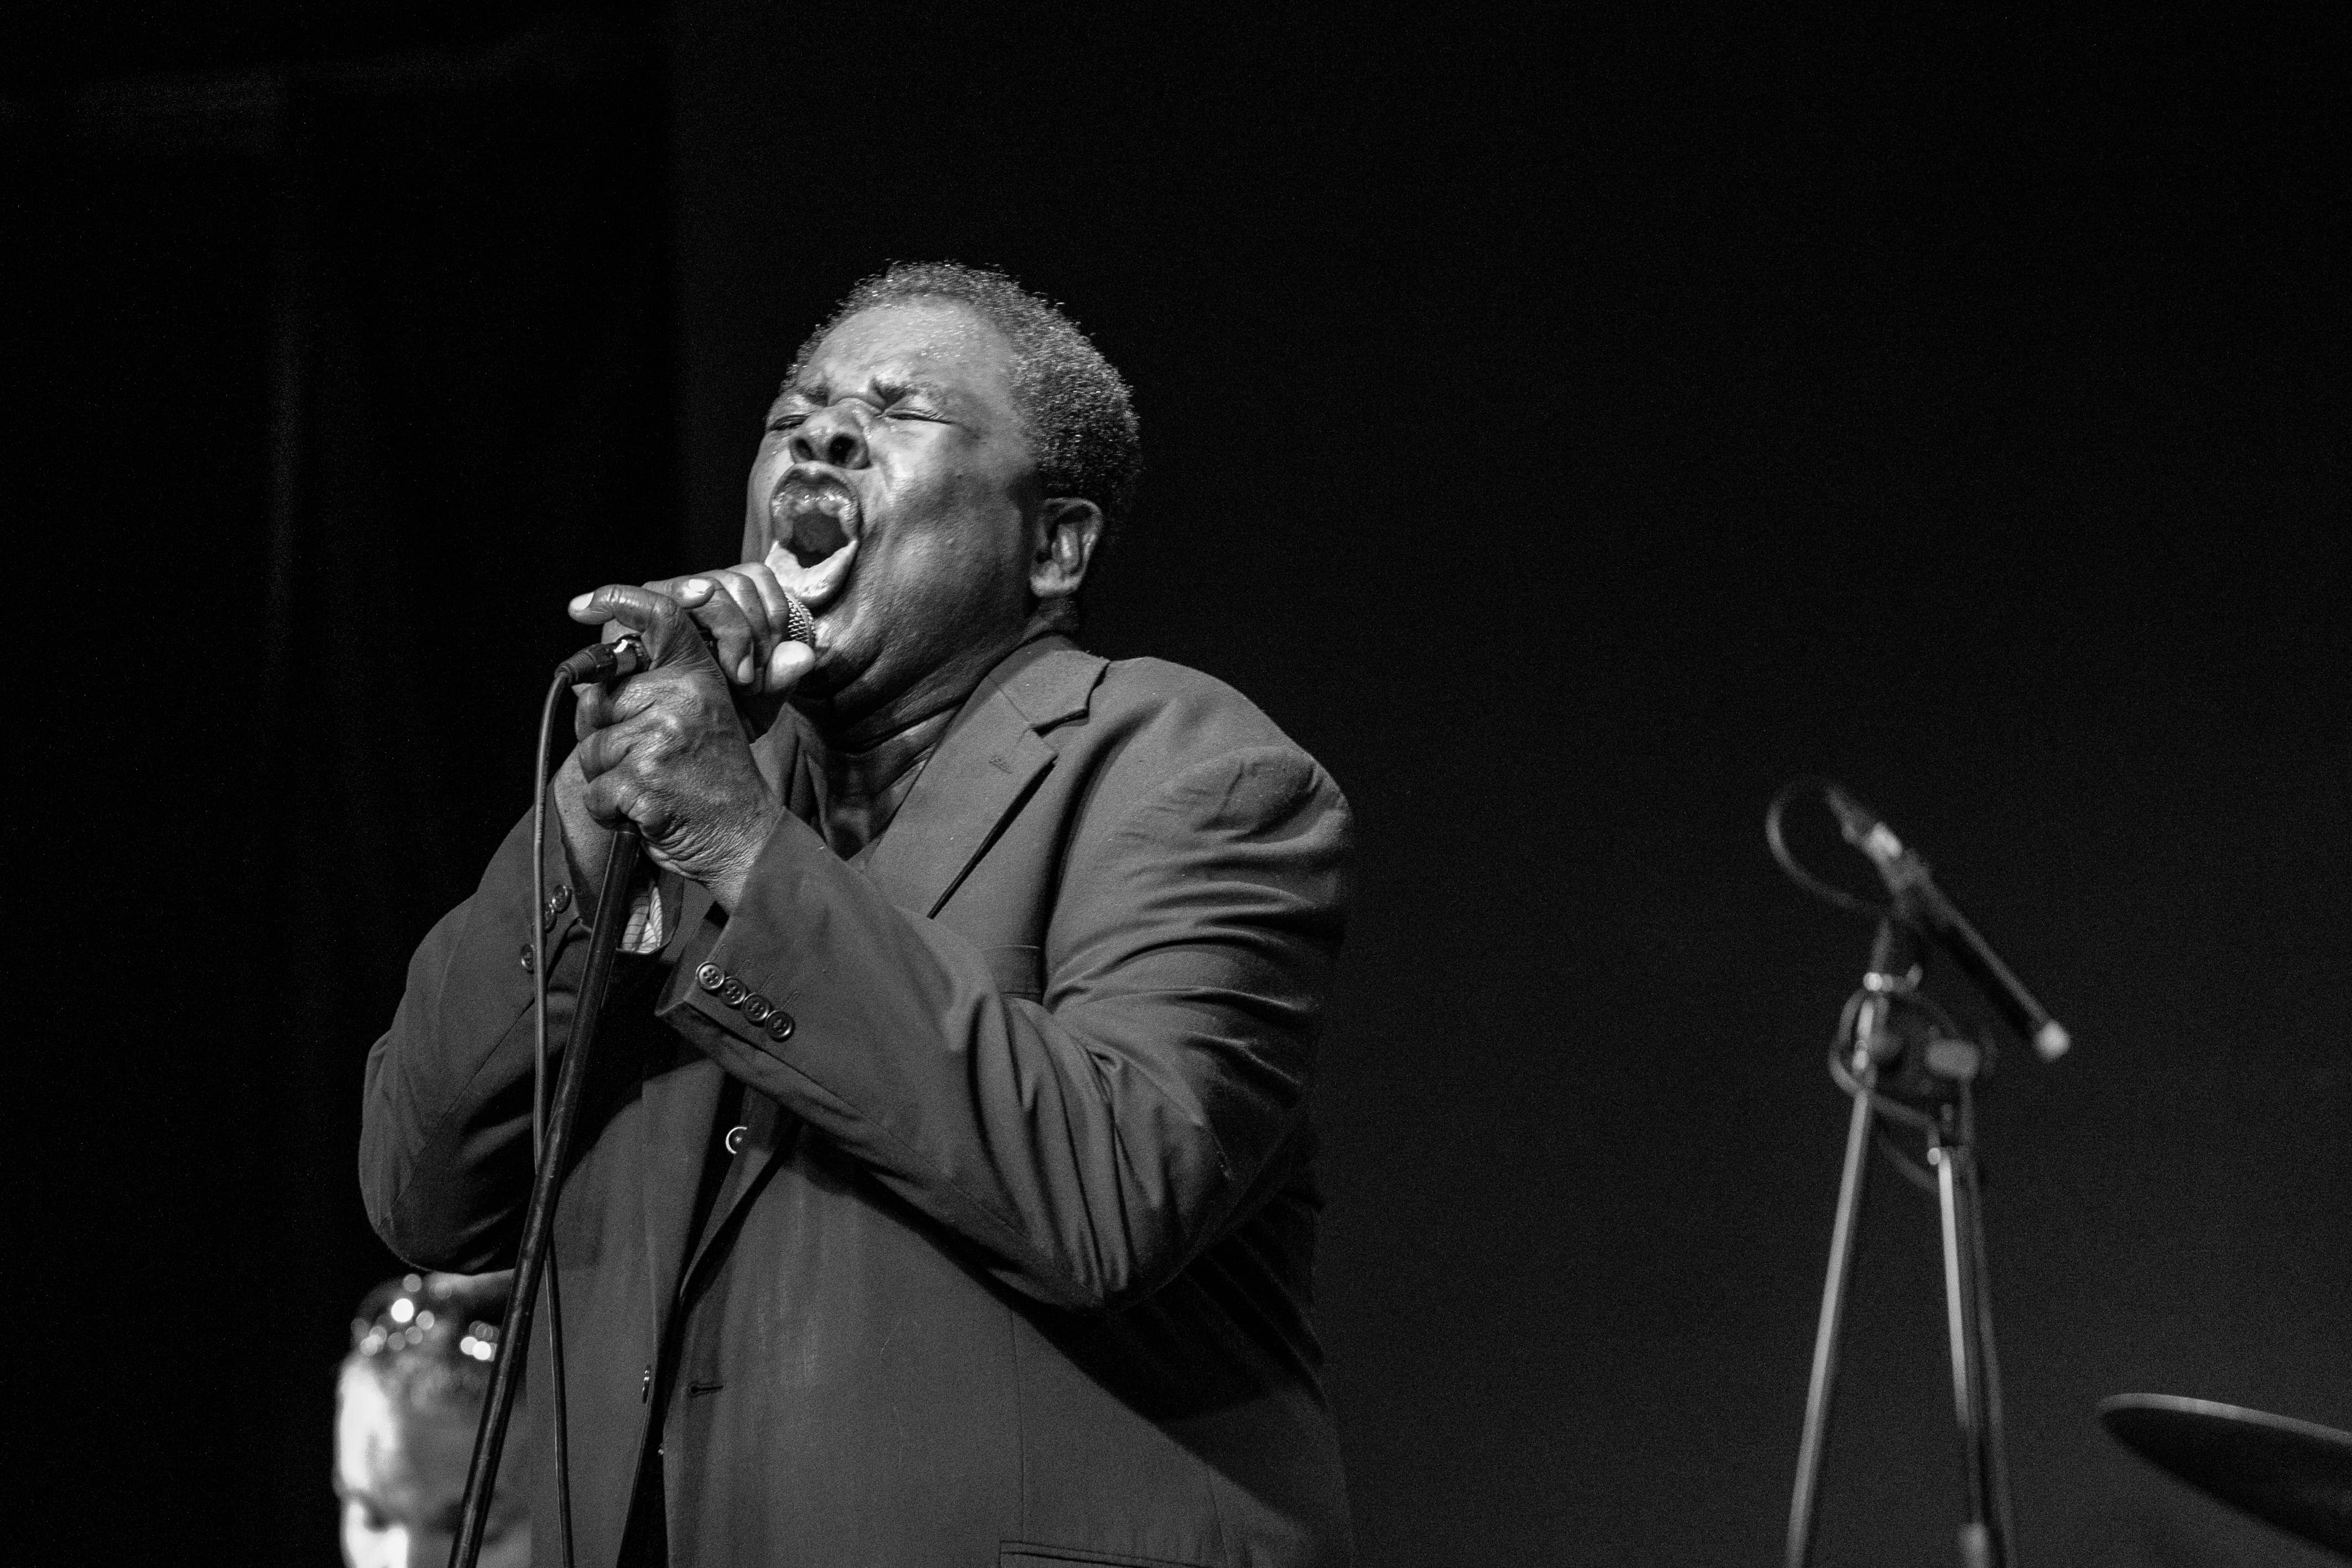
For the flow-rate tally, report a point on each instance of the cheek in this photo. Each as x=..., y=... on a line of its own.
x=759, y=482
x=959, y=567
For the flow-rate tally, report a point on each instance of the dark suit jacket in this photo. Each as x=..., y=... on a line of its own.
x=1012, y=1265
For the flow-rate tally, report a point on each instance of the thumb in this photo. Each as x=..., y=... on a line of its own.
x=787, y=663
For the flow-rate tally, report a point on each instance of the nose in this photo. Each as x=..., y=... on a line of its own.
x=834, y=435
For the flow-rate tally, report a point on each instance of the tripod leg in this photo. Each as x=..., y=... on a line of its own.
x=2004, y=1517
x=1983, y=1542
x=1804, y=1502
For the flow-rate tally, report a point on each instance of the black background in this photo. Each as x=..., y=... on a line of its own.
x=1567, y=429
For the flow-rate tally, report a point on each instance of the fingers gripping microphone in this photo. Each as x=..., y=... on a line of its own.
x=626, y=654
x=1918, y=900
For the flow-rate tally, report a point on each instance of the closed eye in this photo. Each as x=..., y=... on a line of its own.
x=904, y=400
x=886, y=405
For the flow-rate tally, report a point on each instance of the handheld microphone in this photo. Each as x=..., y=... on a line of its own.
x=1918, y=901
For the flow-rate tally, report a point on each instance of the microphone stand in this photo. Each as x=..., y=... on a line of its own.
x=1940, y=1071
x=546, y=1184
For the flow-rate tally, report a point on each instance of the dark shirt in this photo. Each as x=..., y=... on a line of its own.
x=864, y=788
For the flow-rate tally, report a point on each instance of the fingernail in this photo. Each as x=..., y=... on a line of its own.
x=580, y=602
x=696, y=585
x=743, y=671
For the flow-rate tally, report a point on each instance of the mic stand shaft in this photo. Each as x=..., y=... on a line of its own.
x=1804, y=1502
x=1987, y=1538
x=546, y=1184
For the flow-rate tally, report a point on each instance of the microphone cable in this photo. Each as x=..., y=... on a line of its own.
x=540, y=788
x=1815, y=785
x=552, y=1119
x=553, y=1116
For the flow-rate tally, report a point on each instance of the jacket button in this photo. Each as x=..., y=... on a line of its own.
x=735, y=1139
x=758, y=1008
x=732, y=991
x=523, y=957
x=780, y=1028
x=710, y=977
x=557, y=902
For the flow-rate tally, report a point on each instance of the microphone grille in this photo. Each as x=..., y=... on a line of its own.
x=800, y=626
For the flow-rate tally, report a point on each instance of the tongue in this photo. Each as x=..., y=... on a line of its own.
x=816, y=534
x=816, y=585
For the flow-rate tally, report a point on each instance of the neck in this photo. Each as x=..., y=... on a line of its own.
x=870, y=770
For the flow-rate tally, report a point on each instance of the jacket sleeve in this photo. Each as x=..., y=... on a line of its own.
x=445, y=1131
x=1090, y=1143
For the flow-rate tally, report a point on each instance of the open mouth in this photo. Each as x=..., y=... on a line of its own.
x=813, y=530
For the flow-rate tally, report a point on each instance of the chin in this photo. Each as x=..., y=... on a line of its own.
x=836, y=669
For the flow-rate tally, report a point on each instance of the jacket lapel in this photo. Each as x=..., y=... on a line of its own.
x=986, y=765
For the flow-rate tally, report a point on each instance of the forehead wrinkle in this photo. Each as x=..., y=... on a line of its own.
x=950, y=325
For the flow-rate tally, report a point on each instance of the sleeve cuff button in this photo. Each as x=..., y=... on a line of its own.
x=710, y=977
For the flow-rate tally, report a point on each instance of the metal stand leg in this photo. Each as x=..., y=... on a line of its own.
x=1986, y=1540
x=1804, y=1502
x=1996, y=1446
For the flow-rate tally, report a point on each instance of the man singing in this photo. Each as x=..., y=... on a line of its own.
x=944, y=1194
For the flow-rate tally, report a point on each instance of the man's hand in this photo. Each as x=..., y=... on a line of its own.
x=745, y=613
x=667, y=750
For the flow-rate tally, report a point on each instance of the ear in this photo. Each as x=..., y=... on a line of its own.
x=1062, y=545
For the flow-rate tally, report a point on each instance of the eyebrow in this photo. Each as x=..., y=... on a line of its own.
x=816, y=391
